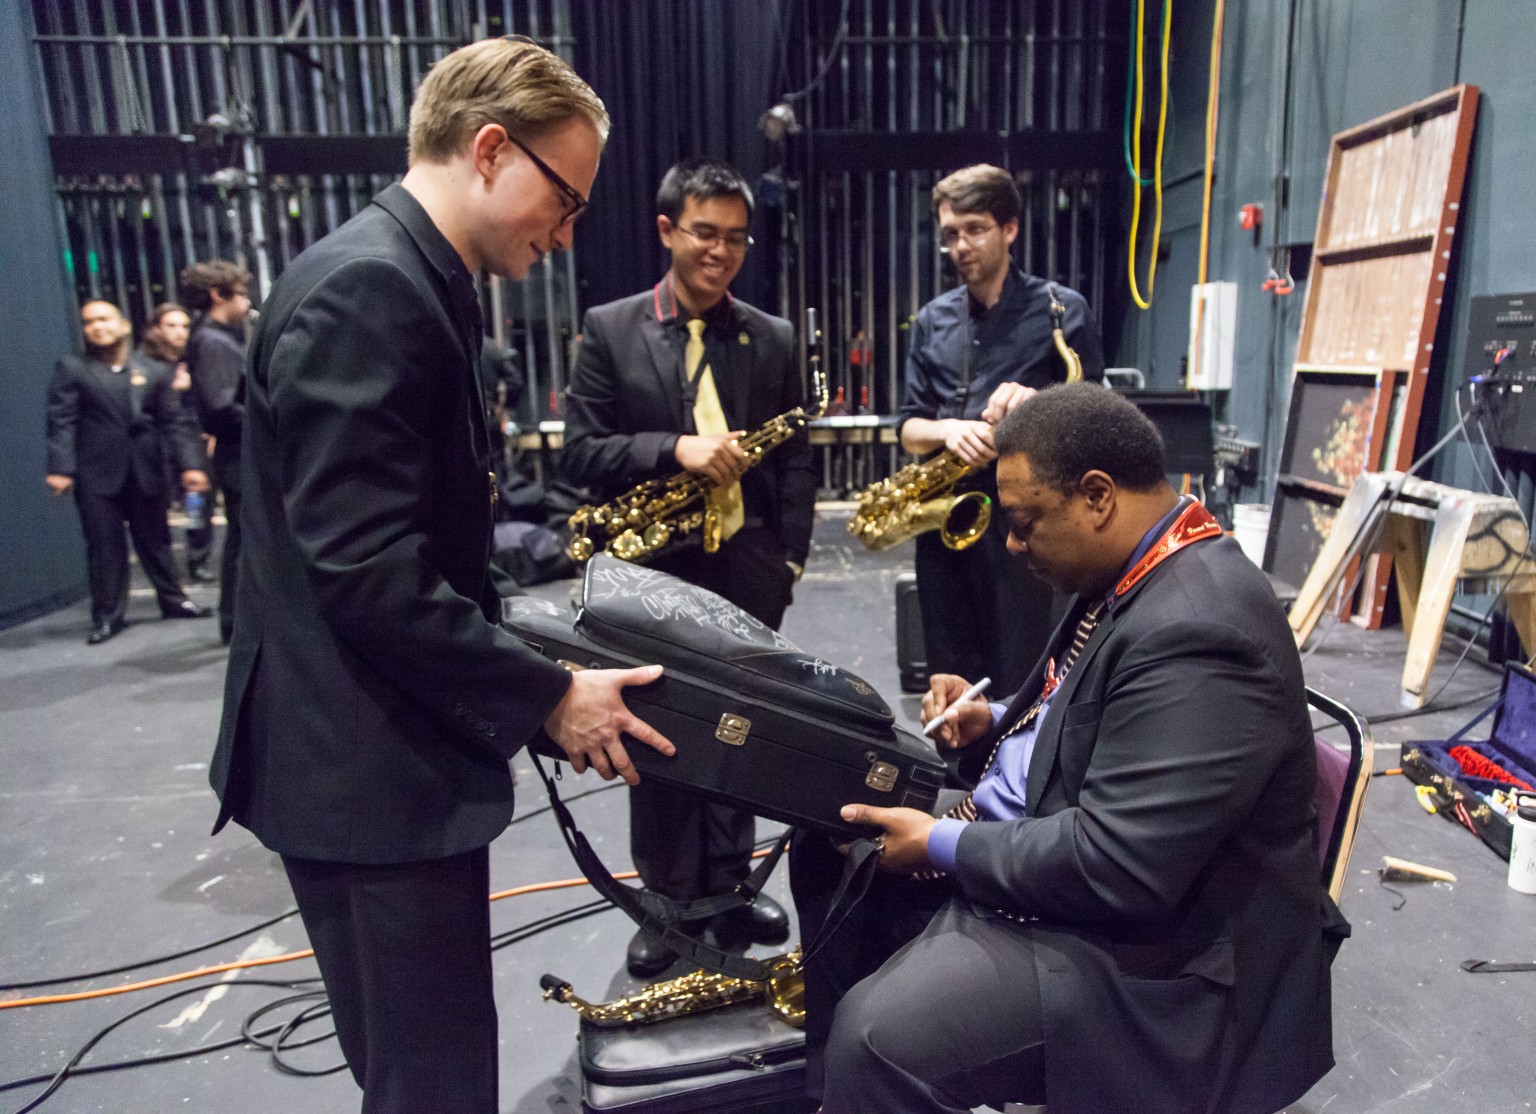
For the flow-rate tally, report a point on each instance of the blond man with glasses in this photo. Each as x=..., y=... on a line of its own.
x=372, y=701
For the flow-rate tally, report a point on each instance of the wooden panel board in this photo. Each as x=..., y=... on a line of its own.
x=1379, y=267
x=1389, y=180
x=1368, y=312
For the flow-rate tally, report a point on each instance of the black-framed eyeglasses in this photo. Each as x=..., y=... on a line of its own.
x=708, y=236
x=575, y=200
x=973, y=234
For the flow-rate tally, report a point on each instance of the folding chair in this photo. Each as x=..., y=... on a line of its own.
x=1342, y=776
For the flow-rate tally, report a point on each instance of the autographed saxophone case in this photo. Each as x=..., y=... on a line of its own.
x=757, y=722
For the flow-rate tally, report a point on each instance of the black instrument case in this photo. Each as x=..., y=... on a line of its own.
x=757, y=722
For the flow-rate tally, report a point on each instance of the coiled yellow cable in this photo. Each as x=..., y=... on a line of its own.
x=1157, y=170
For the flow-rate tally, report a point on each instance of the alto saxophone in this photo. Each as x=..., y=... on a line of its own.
x=919, y=497
x=652, y=515
x=691, y=993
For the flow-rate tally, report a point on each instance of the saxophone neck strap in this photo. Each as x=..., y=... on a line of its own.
x=662, y=917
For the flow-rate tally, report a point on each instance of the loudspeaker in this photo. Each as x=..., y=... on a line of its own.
x=911, y=653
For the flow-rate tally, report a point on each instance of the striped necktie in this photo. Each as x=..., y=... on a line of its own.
x=709, y=418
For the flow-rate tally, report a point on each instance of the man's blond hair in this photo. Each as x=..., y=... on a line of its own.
x=512, y=82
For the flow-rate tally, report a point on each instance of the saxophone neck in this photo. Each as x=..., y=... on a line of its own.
x=557, y=989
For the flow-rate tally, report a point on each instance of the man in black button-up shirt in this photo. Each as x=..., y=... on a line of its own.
x=977, y=351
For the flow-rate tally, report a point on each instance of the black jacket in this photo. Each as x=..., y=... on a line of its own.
x=1170, y=853
x=625, y=407
x=372, y=700
x=215, y=357
x=108, y=428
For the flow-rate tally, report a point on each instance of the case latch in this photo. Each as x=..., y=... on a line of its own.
x=733, y=729
x=881, y=777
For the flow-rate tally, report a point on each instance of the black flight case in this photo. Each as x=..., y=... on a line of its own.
x=757, y=722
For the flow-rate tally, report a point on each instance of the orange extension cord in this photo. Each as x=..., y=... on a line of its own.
x=56, y=999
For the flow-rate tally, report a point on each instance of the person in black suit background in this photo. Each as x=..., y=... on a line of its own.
x=372, y=700
x=112, y=417
x=1132, y=917
x=217, y=291
x=165, y=341
x=638, y=407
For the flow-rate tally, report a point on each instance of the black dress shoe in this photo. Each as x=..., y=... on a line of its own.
x=186, y=609
x=648, y=956
x=769, y=923
x=103, y=632
x=762, y=922
x=198, y=574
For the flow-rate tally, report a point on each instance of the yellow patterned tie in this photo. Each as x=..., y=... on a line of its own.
x=709, y=418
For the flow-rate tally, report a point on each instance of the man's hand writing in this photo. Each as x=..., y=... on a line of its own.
x=588, y=722
x=904, y=835
x=964, y=722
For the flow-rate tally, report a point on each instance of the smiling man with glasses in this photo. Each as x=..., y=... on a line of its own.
x=373, y=701
x=976, y=351
x=666, y=379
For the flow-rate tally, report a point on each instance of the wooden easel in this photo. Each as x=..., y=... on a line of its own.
x=1437, y=536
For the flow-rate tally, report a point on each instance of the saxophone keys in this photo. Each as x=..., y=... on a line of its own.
x=656, y=535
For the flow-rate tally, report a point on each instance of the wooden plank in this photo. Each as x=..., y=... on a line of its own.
x=1381, y=251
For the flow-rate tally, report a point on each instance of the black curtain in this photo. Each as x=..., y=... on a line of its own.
x=681, y=78
x=41, y=550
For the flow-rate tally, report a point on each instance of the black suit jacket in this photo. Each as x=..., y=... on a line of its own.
x=625, y=408
x=106, y=429
x=1170, y=854
x=372, y=701
x=215, y=358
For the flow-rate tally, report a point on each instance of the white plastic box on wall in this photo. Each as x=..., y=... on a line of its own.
x=1212, y=335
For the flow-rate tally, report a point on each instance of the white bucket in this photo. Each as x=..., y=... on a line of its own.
x=1250, y=525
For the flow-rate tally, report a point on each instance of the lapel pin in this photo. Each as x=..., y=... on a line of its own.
x=742, y=338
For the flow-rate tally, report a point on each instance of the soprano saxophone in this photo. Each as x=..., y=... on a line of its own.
x=920, y=496
x=689, y=994
x=656, y=513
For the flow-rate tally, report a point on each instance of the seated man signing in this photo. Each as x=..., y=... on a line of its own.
x=1130, y=914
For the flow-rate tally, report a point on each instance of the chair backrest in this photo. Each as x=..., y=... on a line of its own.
x=1342, y=777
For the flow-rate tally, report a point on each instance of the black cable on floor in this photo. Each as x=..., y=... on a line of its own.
x=140, y=964
x=554, y=920
x=149, y=962
x=56, y=1080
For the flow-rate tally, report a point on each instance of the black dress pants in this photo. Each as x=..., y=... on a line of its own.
x=984, y=613
x=404, y=950
x=106, y=549
x=917, y=1002
x=682, y=845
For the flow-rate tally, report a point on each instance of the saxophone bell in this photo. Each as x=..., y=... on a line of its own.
x=966, y=520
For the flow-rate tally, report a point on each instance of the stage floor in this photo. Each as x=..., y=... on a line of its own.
x=105, y=811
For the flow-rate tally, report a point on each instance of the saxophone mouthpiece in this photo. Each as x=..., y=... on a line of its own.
x=554, y=987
